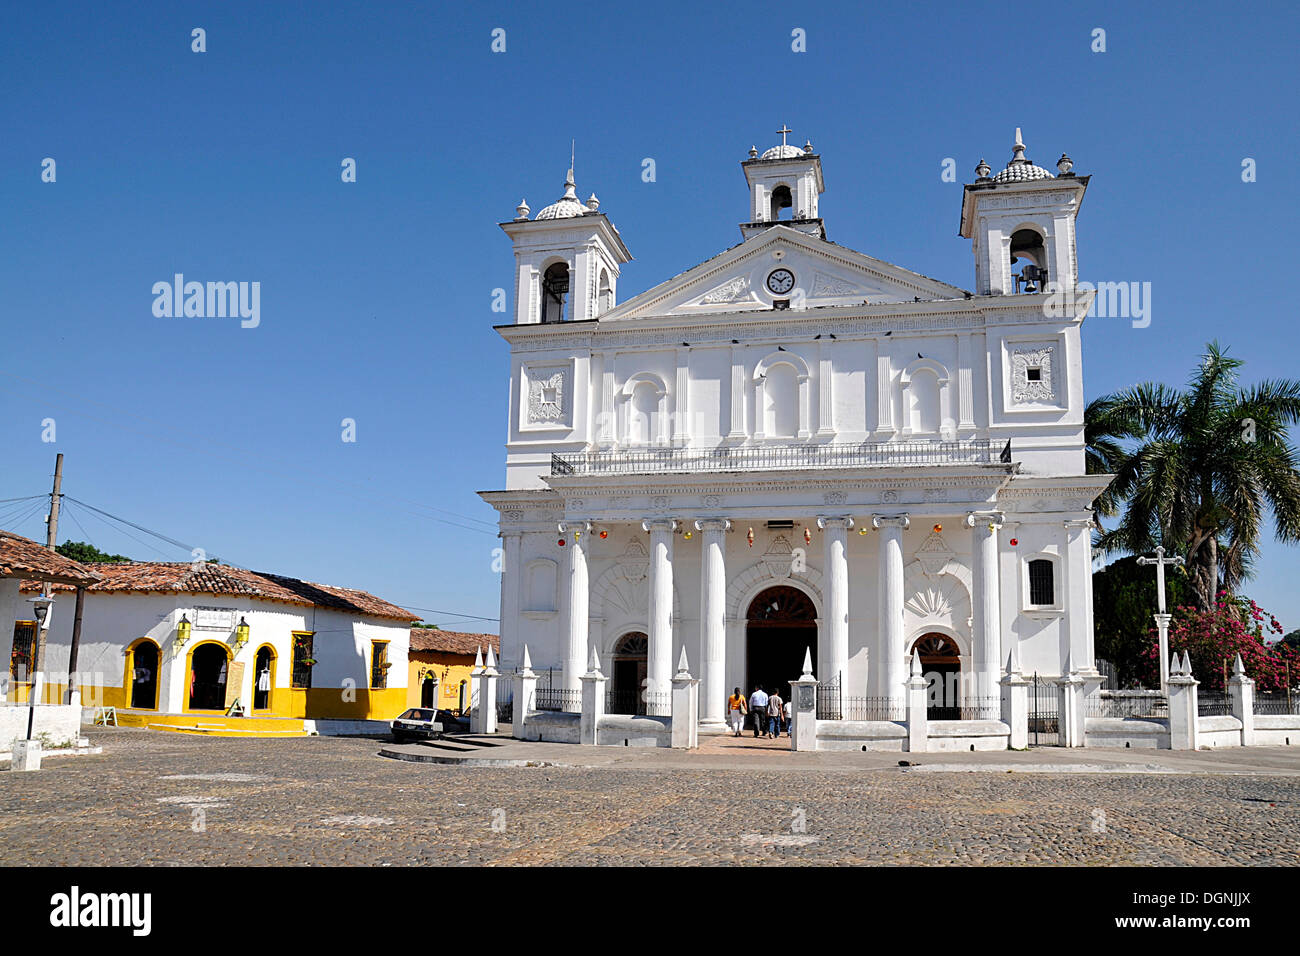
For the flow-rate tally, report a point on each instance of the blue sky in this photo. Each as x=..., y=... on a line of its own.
x=376, y=295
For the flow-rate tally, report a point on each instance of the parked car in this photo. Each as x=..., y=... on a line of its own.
x=418, y=723
x=425, y=723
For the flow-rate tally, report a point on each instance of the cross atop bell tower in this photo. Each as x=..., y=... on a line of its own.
x=784, y=178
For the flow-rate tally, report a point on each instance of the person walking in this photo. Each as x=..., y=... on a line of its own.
x=758, y=707
x=775, y=711
x=736, y=708
x=789, y=720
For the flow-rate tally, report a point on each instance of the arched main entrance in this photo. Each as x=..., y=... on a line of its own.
x=143, y=671
x=630, y=653
x=263, y=678
x=208, y=677
x=941, y=665
x=781, y=626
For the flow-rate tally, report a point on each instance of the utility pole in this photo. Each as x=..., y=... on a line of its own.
x=51, y=541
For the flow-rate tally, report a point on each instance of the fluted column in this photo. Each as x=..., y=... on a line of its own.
x=986, y=610
x=576, y=605
x=893, y=662
x=511, y=580
x=659, y=654
x=837, y=596
x=713, y=623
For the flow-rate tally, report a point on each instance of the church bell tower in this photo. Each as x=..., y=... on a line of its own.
x=1021, y=222
x=567, y=260
x=784, y=185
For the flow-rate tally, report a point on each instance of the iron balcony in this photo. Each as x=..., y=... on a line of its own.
x=644, y=461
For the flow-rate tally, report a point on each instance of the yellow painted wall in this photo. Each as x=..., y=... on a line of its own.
x=450, y=670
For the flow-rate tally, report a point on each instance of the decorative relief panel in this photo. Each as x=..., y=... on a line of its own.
x=827, y=285
x=548, y=396
x=834, y=498
x=1025, y=363
x=733, y=291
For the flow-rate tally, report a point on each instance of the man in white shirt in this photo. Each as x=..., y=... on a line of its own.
x=758, y=707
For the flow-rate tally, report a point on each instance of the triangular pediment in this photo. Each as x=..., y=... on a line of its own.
x=821, y=274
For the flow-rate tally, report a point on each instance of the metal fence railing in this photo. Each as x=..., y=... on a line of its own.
x=980, y=708
x=638, y=703
x=830, y=700
x=1277, y=704
x=556, y=699
x=505, y=701
x=1213, y=705
x=1127, y=704
x=873, y=708
x=1044, y=713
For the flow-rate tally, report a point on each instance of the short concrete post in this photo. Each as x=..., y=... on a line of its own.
x=686, y=707
x=803, y=708
x=1242, y=691
x=1070, y=715
x=1184, y=712
x=485, y=714
x=918, y=720
x=26, y=754
x=1015, y=701
x=593, y=701
x=525, y=697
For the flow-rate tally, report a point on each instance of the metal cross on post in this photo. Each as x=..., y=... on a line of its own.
x=784, y=130
x=1162, y=618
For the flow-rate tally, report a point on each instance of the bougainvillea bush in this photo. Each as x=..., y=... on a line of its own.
x=1232, y=626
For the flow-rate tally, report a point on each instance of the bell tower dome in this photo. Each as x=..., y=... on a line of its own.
x=784, y=184
x=567, y=259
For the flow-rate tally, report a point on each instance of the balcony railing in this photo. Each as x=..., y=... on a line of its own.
x=971, y=451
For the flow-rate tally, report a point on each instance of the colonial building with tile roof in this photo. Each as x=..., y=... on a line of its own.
x=444, y=659
x=202, y=641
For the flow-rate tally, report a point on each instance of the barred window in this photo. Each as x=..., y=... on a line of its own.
x=1042, y=583
x=20, y=661
x=379, y=664
x=303, y=659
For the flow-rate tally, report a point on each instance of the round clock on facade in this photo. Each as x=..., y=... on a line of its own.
x=780, y=281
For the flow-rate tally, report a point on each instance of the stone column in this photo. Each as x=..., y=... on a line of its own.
x=1015, y=702
x=576, y=604
x=837, y=596
x=1242, y=691
x=1162, y=629
x=986, y=609
x=803, y=708
x=890, y=595
x=918, y=721
x=686, y=708
x=713, y=624
x=593, y=702
x=485, y=714
x=525, y=697
x=511, y=580
x=660, y=639
x=1184, y=710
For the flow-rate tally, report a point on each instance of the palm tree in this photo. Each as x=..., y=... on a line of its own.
x=1106, y=426
x=1208, y=463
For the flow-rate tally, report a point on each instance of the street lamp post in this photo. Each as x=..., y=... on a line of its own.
x=41, y=611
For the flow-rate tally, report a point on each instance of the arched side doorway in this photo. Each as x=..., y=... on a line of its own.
x=781, y=625
x=427, y=687
x=264, y=678
x=630, y=655
x=142, y=660
x=209, y=665
x=941, y=665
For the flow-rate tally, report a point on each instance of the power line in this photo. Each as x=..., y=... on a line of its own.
x=430, y=610
x=138, y=527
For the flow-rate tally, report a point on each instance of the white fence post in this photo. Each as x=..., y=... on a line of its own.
x=485, y=713
x=803, y=708
x=686, y=707
x=1242, y=691
x=1015, y=702
x=1070, y=718
x=593, y=701
x=525, y=697
x=918, y=721
x=1184, y=712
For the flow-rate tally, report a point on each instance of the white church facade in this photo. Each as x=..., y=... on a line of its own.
x=796, y=446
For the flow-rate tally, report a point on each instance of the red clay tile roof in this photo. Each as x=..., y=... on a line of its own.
x=23, y=558
x=145, y=576
x=452, y=642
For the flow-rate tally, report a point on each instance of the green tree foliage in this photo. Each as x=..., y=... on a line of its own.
x=88, y=553
x=1206, y=466
x=1123, y=601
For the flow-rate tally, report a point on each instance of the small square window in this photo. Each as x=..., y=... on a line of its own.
x=1033, y=374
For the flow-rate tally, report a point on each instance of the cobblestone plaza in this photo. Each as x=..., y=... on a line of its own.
x=168, y=799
